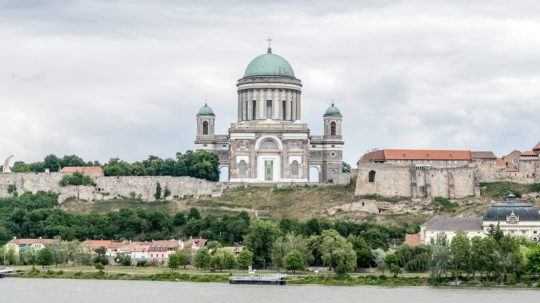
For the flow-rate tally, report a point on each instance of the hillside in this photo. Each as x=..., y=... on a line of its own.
x=304, y=202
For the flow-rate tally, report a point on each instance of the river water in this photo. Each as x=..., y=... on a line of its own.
x=82, y=291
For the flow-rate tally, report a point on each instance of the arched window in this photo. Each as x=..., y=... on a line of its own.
x=205, y=128
x=332, y=128
x=283, y=110
x=269, y=144
x=295, y=168
x=242, y=168
x=371, y=176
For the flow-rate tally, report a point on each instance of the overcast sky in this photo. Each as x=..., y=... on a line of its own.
x=105, y=79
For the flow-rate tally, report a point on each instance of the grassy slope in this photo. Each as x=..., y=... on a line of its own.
x=299, y=202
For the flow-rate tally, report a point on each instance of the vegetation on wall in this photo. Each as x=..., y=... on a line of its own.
x=198, y=164
x=76, y=179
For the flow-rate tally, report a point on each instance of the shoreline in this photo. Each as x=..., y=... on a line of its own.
x=293, y=280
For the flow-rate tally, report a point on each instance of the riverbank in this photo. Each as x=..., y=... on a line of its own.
x=189, y=275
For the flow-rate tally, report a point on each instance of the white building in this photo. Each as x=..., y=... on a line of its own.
x=449, y=227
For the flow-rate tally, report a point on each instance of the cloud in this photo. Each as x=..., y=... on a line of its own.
x=124, y=79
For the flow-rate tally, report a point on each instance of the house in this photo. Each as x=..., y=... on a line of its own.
x=21, y=245
x=111, y=246
x=137, y=251
x=449, y=227
x=159, y=251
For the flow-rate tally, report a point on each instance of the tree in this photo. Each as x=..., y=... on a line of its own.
x=202, y=259
x=183, y=258
x=194, y=214
x=533, y=261
x=77, y=179
x=337, y=253
x=245, y=259
x=364, y=256
x=52, y=163
x=173, y=261
x=45, y=257
x=440, y=259
x=392, y=262
x=346, y=167
x=294, y=261
x=157, y=194
x=460, y=254
x=260, y=239
x=229, y=260
x=284, y=245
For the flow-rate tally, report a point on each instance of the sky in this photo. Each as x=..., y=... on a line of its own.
x=106, y=79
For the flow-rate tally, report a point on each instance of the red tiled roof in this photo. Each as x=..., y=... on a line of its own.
x=85, y=170
x=529, y=153
x=34, y=241
x=483, y=155
x=427, y=154
x=537, y=147
x=164, y=244
x=108, y=244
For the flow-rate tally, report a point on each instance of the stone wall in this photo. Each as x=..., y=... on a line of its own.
x=416, y=182
x=108, y=188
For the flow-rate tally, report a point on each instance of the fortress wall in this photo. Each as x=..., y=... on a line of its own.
x=405, y=181
x=390, y=180
x=108, y=188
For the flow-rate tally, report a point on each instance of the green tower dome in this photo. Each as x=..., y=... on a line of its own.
x=332, y=111
x=269, y=65
x=205, y=111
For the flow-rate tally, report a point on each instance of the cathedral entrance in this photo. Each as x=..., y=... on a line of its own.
x=268, y=170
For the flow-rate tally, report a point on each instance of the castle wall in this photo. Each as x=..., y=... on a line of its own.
x=108, y=188
x=416, y=182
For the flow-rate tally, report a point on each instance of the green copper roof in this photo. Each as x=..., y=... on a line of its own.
x=269, y=65
x=332, y=111
x=205, y=111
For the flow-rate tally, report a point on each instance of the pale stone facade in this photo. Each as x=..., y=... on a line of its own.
x=269, y=143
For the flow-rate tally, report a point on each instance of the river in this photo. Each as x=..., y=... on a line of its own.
x=14, y=290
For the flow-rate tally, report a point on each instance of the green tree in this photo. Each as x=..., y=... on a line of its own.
x=337, y=253
x=157, y=194
x=229, y=260
x=259, y=240
x=460, y=254
x=294, y=260
x=52, y=163
x=202, y=259
x=364, y=256
x=183, y=258
x=45, y=257
x=77, y=179
x=173, y=262
x=245, y=259
x=290, y=242
x=392, y=262
x=440, y=259
x=533, y=261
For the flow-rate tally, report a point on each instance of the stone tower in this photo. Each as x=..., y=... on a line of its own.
x=205, y=122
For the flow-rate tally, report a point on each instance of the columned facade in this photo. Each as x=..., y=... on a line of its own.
x=268, y=143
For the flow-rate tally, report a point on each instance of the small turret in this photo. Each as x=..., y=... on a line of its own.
x=332, y=122
x=205, y=121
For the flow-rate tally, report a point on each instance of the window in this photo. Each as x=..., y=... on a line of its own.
x=269, y=109
x=332, y=128
x=205, y=128
x=284, y=110
x=371, y=176
x=295, y=168
x=242, y=168
x=245, y=111
x=253, y=110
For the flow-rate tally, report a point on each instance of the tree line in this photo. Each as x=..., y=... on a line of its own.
x=198, y=164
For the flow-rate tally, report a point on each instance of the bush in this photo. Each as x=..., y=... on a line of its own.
x=77, y=179
x=444, y=204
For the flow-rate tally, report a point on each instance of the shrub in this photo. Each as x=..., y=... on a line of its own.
x=444, y=204
x=77, y=179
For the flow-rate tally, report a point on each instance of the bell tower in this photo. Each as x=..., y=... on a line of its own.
x=205, y=121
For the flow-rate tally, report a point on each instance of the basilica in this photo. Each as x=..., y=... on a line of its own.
x=268, y=143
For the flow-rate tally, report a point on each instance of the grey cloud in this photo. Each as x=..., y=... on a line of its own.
x=125, y=78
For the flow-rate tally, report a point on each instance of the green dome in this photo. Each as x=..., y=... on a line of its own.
x=269, y=65
x=205, y=111
x=332, y=111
